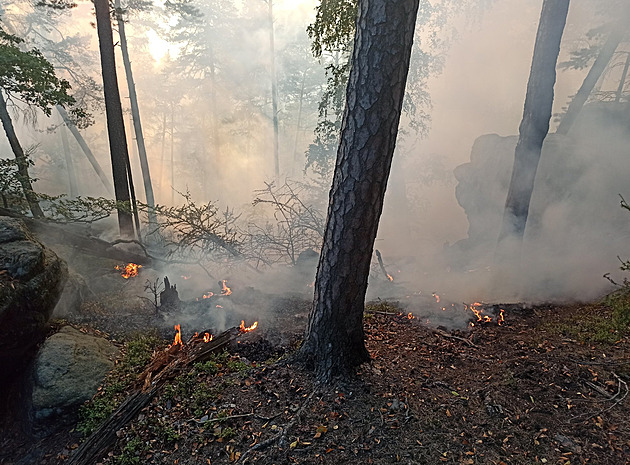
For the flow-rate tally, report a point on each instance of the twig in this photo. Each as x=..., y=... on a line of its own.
x=450, y=336
x=617, y=402
x=280, y=437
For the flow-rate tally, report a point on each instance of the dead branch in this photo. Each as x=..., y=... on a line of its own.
x=457, y=338
x=380, y=262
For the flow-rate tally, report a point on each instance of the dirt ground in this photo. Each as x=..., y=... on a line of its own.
x=532, y=390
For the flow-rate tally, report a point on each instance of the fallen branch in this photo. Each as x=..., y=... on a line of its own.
x=619, y=399
x=380, y=262
x=457, y=338
x=165, y=366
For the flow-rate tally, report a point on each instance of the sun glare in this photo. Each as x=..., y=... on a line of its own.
x=159, y=47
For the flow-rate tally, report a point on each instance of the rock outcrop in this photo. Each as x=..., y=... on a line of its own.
x=32, y=278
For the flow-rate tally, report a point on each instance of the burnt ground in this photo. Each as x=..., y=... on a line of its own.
x=537, y=389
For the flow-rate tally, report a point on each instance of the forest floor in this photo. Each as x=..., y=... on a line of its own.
x=549, y=385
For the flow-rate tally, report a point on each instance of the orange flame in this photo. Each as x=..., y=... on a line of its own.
x=390, y=277
x=178, y=335
x=501, y=318
x=246, y=329
x=207, y=337
x=410, y=316
x=437, y=297
x=129, y=271
x=226, y=290
x=208, y=295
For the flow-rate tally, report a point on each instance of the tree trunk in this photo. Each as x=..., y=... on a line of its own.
x=85, y=148
x=298, y=123
x=135, y=114
x=113, y=109
x=622, y=81
x=274, y=92
x=334, y=342
x=536, y=115
x=72, y=177
x=602, y=60
x=20, y=157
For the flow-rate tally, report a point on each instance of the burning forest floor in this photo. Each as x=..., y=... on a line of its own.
x=550, y=385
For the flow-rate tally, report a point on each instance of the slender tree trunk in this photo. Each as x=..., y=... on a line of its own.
x=536, y=115
x=334, y=341
x=72, y=177
x=86, y=149
x=622, y=81
x=113, y=108
x=135, y=114
x=274, y=92
x=602, y=60
x=172, y=154
x=298, y=124
x=20, y=157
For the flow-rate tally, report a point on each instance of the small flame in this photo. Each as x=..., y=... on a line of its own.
x=390, y=277
x=207, y=337
x=437, y=297
x=410, y=316
x=477, y=309
x=246, y=329
x=129, y=271
x=178, y=335
x=226, y=290
x=219, y=306
x=208, y=295
x=501, y=318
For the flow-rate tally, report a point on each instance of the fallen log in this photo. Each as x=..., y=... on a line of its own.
x=165, y=365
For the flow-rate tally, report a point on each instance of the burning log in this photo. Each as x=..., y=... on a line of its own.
x=165, y=365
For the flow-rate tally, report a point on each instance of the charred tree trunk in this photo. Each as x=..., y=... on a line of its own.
x=602, y=60
x=274, y=92
x=135, y=114
x=115, y=122
x=85, y=148
x=536, y=115
x=20, y=157
x=334, y=342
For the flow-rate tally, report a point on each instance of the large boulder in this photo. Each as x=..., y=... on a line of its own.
x=68, y=369
x=31, y=280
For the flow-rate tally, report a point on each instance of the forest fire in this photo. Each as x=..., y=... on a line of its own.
x=178, y=336
x=477, y=309
x=246, y=329
x=208, y=295
x=207, y=337
x=128, y=271
x=225, y=290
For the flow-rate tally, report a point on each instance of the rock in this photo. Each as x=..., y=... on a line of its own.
x=67, y=371
x=74, y=293
x=31, y=280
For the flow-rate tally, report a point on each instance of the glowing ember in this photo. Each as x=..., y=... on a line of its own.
x=501, y=318
x=178, y=335
x=208, y=295
x=390, y=277
x=128, y=271
x=437, y=297
x=410, y=316
x=226, y=290
x=219, y=306
x=185, y=277
x=207, y=337
x=244, y=329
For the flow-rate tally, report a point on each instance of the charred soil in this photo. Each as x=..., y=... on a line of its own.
x=544, y=387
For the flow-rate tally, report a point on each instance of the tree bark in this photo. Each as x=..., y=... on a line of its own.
x=274, y=92
x=602, y=60
x=135, y=114
x=86, y=149
x=72, y=176
x=334, y=342
x=536, y=115
x=20, y=157
x=113, y=110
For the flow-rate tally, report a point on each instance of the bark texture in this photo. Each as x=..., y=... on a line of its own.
x=334, y=343
x=536, y=115
x=113, y=108
x=20, y=157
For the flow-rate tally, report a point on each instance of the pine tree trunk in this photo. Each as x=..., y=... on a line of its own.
x=72, y=176
x=135, y=113
x=20, y=157
x=535, y=123
x=85, y=148
x=113, y=109
x=334, y=342
x=602, y=60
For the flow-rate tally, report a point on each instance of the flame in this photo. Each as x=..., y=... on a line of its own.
x=129, y=271
x=208, y=295
x=178, y=335
x=437, y=297
x=477, y=309
x=226, y=290
x=501, y=318
x=390, y=277
x=410, y=316
x=207, y=337
x=244, y=329
x=219, y=306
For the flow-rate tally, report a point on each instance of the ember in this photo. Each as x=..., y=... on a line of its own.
x=128, y=271
x=410, y=316
x=178, y=335
x=437, y=297
x=207, y=337
x=244, y=329
x=208, y=295
x=390, y=277
x=226, y=290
